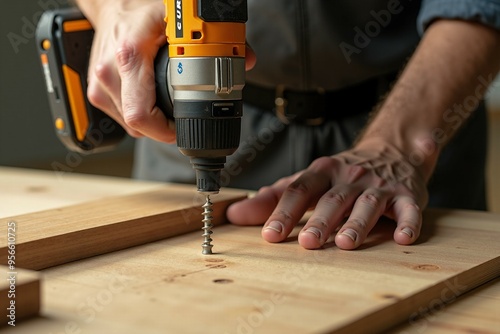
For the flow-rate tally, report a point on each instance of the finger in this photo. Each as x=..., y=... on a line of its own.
x=367, y=209
x=139, y=98
x=250, y=58
x=408, y=216
x=256, y=210
x=102, y=71
x=101, y=100
x=329, y=213
x=109, y=79
x=294, y=202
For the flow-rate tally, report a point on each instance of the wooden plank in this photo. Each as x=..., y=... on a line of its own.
x=28, y=190
x=87, y=308
x=253, y=286
x=57, y=236
x=20, y=295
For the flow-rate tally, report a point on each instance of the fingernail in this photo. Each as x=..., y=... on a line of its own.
x=408, y=231
x=314, y=230
x=351, y=234
x=275, y=226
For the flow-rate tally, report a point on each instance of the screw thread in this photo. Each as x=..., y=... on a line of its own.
x=207, y=226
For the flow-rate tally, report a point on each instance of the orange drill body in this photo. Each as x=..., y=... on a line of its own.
x=189, y=35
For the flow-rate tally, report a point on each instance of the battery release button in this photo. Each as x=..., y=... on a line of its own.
x=59, y=124
x=46, y=44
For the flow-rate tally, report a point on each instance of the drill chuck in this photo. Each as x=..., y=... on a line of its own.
x=207, y=142
x=208, y=171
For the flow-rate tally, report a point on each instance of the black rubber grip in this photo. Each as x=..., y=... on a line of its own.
x=208, y=134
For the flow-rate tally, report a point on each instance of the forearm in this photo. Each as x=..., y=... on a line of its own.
x=442, y=84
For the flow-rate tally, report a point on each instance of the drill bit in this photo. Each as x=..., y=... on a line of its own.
x=207, y=226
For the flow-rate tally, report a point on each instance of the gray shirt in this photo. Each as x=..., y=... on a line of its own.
x=310, y=44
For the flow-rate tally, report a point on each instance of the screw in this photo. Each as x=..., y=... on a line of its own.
x=207, y=226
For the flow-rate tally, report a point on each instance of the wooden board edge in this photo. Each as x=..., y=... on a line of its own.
x=60, y=249
x=423, y=303
x=20, y=295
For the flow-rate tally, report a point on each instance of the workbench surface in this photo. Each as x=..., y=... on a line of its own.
x=251, y=286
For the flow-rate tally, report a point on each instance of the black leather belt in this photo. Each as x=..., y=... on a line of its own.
x=316, y=107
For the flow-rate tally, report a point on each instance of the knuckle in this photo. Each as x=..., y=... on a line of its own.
x=298, y=188
x=412, y=206
x=355, y=171
x=335, y=199
x=283, y=183
x=380, y=182
x=323, y=163
x=96, y=96
x=103, y=72
x=284, y=214
x=269, y=191
x=155, y=112
x=320, y=222
x=264, y=189
x=370, y=199
x=126, y=57
x=135, y=119
x=359, y=223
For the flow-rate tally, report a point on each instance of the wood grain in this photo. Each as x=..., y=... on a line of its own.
x=476, y=312
x=23, y=288
x=53, y=237
x=252, y=286
x=255, y=287
x=28, y=190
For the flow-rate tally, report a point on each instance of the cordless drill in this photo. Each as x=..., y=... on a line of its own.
x=199, y=80
x=206, y=74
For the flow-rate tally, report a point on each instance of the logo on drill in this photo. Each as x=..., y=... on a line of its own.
x=179, y=68
x=179, y=33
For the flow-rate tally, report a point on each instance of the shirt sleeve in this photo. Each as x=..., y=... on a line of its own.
x=482, y=11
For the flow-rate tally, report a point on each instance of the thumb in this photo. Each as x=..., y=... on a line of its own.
x=250, y=58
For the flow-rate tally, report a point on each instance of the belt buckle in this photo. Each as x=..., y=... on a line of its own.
x=280, y=104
